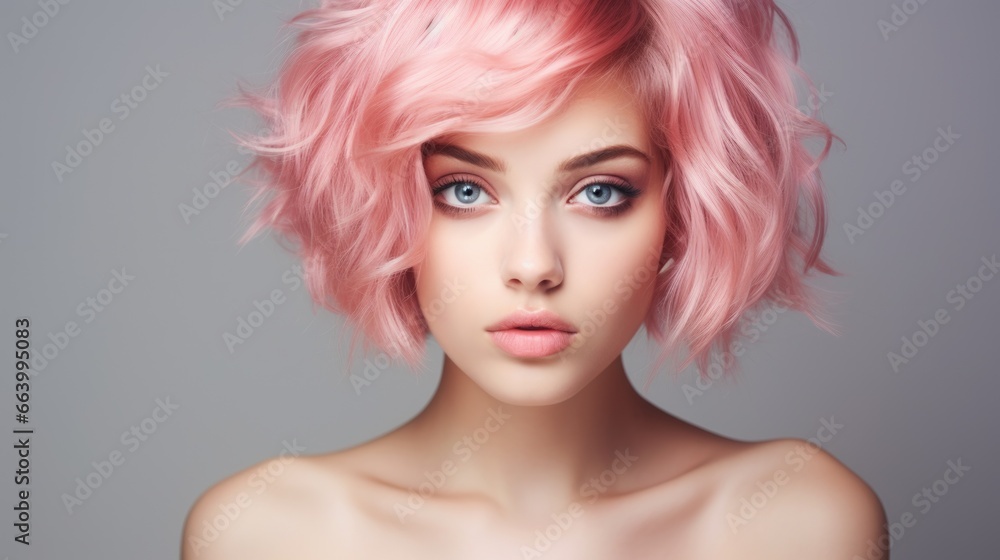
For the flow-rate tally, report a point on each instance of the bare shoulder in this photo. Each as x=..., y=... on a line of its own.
x=789, y=498
x=273, y=509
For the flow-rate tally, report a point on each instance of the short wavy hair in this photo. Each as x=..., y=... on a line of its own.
x=368, y=83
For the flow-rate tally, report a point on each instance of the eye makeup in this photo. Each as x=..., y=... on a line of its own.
x=625, y=190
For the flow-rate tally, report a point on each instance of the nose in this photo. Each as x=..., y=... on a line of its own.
x=531, y=257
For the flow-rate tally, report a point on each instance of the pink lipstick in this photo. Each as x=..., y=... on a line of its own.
x=532, y=334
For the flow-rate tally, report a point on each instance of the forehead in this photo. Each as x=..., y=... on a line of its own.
x=600, y=114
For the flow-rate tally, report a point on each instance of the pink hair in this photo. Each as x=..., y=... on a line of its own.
x=368, y=83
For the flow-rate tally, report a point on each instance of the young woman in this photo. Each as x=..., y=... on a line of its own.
x=530, y=182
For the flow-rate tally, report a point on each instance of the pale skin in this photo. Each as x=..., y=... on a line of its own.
x=557, y=457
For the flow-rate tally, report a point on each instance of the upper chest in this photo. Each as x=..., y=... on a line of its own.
x=676, y=521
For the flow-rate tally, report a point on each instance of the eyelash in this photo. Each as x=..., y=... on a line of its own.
x=627, y=191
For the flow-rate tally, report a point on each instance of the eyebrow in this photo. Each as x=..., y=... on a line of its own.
x=499, y=166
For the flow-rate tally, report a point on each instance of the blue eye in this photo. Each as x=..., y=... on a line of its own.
x=601, y=191
x=598, y=191
x=460, y=196
x=466, y=192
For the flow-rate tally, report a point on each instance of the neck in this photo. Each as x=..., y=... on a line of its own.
x=533, y=460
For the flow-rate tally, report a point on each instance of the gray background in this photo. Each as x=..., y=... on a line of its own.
x=162, y=336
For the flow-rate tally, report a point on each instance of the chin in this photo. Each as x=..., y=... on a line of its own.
x=531, y=382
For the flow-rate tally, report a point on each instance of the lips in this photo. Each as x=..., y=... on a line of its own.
x=532, y=334
x=532, y=320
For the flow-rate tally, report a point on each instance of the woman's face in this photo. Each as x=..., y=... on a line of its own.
x=523, y=222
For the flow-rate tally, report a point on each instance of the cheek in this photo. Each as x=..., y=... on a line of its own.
x=621, y=285
x=443, y=281
x=618, y=273
x=626, y=254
